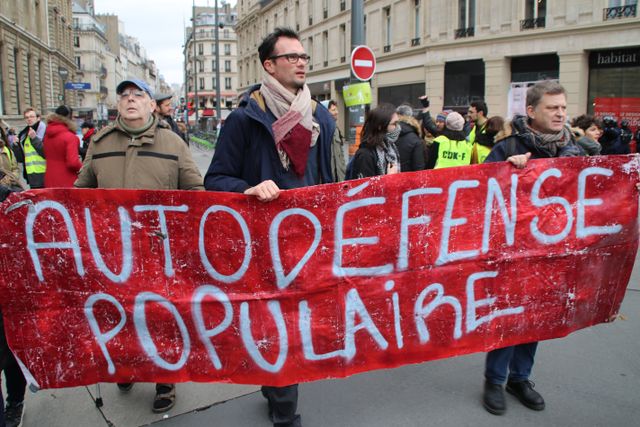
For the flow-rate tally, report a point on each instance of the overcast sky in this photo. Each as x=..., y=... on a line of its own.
x=159, y=26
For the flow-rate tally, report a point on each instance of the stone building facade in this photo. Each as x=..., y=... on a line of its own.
x=36, y=56
x=200, y=60
x=459, y=51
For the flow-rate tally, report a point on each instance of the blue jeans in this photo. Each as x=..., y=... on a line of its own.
x=513, y=362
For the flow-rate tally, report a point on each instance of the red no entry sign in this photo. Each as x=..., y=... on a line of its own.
x=363, y=63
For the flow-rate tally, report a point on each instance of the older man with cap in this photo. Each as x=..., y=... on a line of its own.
x=140, y=151
x=164, y=110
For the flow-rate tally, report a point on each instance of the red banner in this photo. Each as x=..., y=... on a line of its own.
x=325, y=282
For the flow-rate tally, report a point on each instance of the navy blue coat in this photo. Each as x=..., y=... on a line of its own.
x=522, y=141
x=246, y=152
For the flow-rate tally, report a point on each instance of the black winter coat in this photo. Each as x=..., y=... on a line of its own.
x=411, y=149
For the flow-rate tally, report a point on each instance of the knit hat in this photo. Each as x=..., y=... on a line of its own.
x=454, y=121
x=442, y=116
x=63, y=111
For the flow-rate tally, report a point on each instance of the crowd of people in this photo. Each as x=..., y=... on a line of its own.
x=280, y=138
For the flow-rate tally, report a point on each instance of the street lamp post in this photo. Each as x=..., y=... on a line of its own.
x=218, y=109
x=63, y=73
x=195, y=63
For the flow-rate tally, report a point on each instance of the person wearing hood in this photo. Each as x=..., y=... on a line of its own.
x=410, y=143
x=29, y=149
x=61, y=149
x=541, y=134
x=378, y=154
x=451, y=148
x=88, y=129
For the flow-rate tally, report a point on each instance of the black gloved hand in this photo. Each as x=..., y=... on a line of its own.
x=425, y=102
x=4, y=192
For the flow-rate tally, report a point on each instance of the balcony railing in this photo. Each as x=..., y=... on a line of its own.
x=619, y=12
x=528, y=24
x=387, y=48
x=415, y=42
x=465, y=32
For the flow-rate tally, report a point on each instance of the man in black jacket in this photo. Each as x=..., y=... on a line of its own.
x=29, y=149
x=540, y=134
x=164, y=110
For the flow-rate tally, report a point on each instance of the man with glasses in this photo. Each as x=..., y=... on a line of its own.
x=30, y=151
x=139, y=151
x=278, y=138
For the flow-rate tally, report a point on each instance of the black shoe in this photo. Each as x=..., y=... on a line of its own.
x=493, y=398
x=165, y=398
x=13, y=414
x=125, y=387
x=525, y=393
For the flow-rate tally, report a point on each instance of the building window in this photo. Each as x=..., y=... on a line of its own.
x=227, y=66
x=16, y=73
x=227, y=49
x=466, y=18
x=200, y=49
x=416, y=23
x=201, y=66
x=78, y=63
x=343, y=43
x=386, y=24
x=227, y=83
x=225, y=33
x=76, y=41
x=463, y=83
x=310, y=51
x=213, y=48
x=213, y=83
x=201, y=83
x=620, y=9
x=325, y=9
x=213, y=65
x=534, y=14
x=325, y=48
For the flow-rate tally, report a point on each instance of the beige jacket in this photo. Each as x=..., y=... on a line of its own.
x=156, y=160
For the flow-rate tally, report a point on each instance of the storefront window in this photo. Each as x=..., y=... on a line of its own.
x=463, y=84
x=614, y=87
x=535, y=68
x=402, y=94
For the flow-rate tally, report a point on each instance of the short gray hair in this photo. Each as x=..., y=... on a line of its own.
x=538, y=90
x=404, y=110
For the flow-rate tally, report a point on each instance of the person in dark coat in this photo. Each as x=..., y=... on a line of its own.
x=164, y=111
x=378, y=154
x=611, y=140
x=539, y=135
x=88, y=129
x=61, y=149
x=278, y=138
x=29, y=148
x=410, y=144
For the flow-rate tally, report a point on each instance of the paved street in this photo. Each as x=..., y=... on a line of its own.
x=590, y=378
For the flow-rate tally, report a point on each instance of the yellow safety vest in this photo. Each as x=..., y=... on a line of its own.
x=482, y=151
x=33, y=162
x=472, y=134
x=452, y=153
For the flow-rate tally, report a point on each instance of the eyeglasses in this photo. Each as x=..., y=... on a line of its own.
x=137, y=94
x=293, y=57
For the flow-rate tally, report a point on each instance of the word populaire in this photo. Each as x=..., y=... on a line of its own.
x=325, y=282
